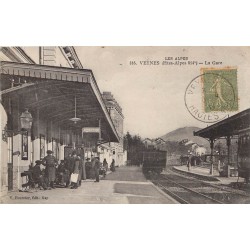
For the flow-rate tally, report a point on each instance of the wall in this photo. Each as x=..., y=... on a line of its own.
x=3, y=155
x=3, y=57
x=116, y=116
x=118, y=147
x=51, y=55
x=19, y=165
x=32, y=52
x=105, y=153
x=61, y=59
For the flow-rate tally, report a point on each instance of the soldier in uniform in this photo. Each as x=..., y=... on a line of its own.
x=50, y=162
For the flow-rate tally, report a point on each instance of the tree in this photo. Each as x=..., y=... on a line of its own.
x=134, y=147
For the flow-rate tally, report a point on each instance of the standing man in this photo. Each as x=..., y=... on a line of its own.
x=88, y=168
x=92, y=170
x=50, y=162
x=61, y=173
x=96, y=168
x=189, y=162
x=81, y=164
x=70, y=167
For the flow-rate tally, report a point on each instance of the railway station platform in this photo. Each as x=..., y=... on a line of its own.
x=204, y=174
x=127, y=185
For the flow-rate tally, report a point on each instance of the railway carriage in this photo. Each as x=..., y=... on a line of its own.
x=154, y=161
x=244, y=154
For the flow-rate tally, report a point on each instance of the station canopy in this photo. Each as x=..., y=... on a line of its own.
x=227, y=127
x=58, y=93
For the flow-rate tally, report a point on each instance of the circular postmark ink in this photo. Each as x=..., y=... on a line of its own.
x=210, y=97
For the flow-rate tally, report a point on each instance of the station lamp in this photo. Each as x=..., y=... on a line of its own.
x=26, y=120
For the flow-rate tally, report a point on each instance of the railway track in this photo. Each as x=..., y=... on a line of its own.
x=183, y=194
x=220, y=192
x=189, y=190
x=221, y=187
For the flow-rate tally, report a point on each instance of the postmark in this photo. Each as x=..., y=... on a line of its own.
x=212, y=95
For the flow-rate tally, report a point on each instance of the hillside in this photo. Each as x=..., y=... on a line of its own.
x=185, y=133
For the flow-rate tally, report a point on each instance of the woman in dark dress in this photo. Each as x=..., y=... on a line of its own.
x=76, y=169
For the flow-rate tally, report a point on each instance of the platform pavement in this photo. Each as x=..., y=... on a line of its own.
x=125, y=186
x=204, y=173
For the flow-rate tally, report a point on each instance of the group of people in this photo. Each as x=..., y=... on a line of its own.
x=47, y=172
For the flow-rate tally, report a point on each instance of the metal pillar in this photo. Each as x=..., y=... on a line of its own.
x=212, y=155
x=228, y=155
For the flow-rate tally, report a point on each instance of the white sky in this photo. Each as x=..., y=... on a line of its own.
x=152, y=97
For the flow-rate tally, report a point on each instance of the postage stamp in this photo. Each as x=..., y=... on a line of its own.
x=213, y=94
x=220, y=89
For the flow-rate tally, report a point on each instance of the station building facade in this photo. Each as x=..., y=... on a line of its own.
x=47, y=98
x=116, y=148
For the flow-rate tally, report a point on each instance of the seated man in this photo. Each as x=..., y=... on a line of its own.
x=37, y=175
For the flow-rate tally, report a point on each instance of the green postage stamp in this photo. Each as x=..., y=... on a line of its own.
x=220, y=91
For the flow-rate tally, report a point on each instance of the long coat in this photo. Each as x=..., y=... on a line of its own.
x=50, y=162
x=70, y=162
x=78, y=167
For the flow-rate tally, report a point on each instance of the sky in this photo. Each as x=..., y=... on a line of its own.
x=152, y=96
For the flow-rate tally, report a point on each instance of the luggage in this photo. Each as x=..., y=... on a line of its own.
x=74, y=178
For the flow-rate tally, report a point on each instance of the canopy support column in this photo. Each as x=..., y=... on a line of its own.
x=211, y=140
x=228, y=154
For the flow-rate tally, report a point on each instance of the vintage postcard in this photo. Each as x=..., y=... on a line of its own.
x=124, y=125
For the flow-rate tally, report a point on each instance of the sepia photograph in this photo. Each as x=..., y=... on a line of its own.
x=125, y=125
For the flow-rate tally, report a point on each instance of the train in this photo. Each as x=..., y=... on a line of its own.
x=244, y=154
x=154, y=161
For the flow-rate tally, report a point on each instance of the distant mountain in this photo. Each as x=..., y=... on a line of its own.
x=185, y=133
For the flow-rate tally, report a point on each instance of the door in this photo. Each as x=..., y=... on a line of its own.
x=67, y=150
